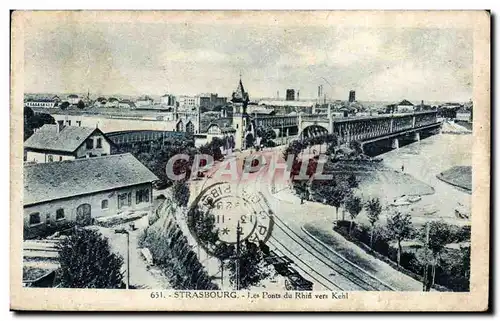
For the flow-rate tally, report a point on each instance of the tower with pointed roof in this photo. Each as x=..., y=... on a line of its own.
x=240, y=117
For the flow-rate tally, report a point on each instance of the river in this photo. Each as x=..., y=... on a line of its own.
x=427, y=158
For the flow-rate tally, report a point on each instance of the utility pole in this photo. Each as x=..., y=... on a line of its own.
x=124, y=231
x=424, y=283
x=238, y=236
x=222, y=273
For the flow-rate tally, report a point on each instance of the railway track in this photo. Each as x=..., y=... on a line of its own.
x=366, y=282
x=305, y=267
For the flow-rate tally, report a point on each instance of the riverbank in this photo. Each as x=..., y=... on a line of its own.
x=458, y=176
x=379, y=181
x=459, y=128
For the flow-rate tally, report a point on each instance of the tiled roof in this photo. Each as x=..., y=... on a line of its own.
x=67, y=140
x=50, y=181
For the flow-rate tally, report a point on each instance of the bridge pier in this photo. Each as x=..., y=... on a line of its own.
x=416, y=136
x=395, y=143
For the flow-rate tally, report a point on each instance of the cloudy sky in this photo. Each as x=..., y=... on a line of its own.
x=154, y=58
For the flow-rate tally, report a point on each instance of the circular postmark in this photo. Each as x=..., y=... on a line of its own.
x=224, y=214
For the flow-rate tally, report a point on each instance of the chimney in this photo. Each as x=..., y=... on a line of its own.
x=60, y=125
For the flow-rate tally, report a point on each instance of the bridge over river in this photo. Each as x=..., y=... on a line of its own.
x=368, y=130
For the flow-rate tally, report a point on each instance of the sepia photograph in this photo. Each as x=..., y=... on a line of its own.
x=250, y=160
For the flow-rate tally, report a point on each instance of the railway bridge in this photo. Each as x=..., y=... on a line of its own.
x=365, y=129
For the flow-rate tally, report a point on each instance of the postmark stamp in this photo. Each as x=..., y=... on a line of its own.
x=223, y=215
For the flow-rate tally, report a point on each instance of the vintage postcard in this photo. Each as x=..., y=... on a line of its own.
x=250, y=160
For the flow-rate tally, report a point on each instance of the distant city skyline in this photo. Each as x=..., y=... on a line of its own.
x=134, y=59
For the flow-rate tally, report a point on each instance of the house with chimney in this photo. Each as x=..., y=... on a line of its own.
x=59, y=142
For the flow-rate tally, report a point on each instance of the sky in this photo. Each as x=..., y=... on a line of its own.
x=137, y=58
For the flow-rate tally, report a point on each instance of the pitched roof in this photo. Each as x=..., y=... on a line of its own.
x=50, y=181
x=405, y=102
x=219, y=122
x=67, y=140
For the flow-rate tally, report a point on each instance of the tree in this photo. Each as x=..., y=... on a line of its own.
x=373, y=210
x=353, y=205
x=267, y=134
x=251, y=263
x=332, y=193
x=80, y=104
x=251, y=266
x=356, y=146
x=351, y=181
x=180, y=193
x=294, y=148
x=156, y=155
x=331, y=144
x=399, y=227
x=436, y=235
x=302, y=188
x=331, y=150
x=87, y=262
x=249, y=140
x=64, y=105
x=338, y=196
x=33, y=121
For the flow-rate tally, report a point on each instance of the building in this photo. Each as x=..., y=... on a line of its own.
x=112, y=102
x=284, y=107
x=188, y=102
x=255, y=110
x=144, y=101
x=126, y=103
x=100, y=102
x=290, y=94
x=464, y=116
x=210, y=101
x=405, y=106
x=133, y=118
x=220, y=101
x=168, y=100
x=214, y=130
x=76, y=192
x=352, y=96
x=240, y=101
x=56, y=143
x=43, y=102
x=218, y=128
x=73, y=99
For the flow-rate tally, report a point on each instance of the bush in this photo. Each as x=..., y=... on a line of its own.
x=172, y=253
x=180, y=193
x=87, y=262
